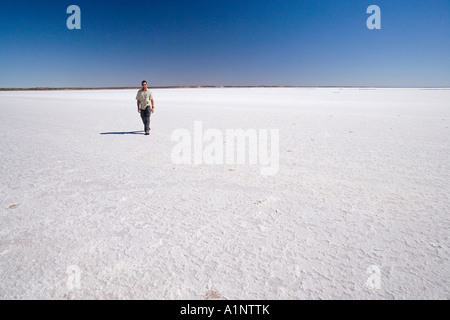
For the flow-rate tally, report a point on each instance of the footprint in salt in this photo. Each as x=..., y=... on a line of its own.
x=212, y=295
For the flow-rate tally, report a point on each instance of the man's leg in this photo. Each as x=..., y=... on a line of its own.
x=145, y=115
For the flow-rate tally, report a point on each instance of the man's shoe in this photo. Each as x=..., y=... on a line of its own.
x=147, y=133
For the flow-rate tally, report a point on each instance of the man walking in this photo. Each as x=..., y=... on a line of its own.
x=144, y=99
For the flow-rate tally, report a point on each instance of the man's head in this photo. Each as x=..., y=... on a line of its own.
x=144, y=84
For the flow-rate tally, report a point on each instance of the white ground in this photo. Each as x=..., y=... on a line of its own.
x=360, y=207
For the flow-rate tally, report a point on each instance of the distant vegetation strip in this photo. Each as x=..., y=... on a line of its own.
x=124, y=88
x=190, y=87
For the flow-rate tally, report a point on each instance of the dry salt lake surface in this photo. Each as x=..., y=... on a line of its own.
x=359, y=207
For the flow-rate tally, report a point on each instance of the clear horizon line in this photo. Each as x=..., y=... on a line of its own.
x=215, y=86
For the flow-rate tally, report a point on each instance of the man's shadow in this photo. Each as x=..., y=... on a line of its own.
x=129, y=132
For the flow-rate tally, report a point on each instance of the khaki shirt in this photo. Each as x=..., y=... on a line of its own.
x=144, y=97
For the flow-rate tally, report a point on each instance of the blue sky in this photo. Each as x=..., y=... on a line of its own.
x=170, y=43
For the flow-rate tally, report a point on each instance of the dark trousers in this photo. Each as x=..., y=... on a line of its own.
x=145, y=116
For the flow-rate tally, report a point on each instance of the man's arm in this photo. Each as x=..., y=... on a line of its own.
x=138, y=106
x=153, y=105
